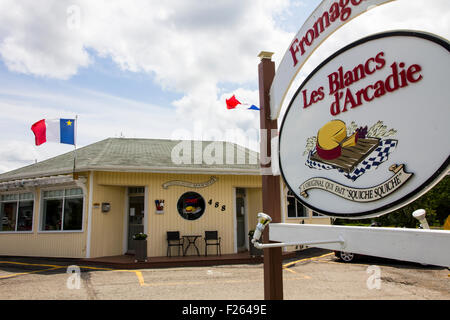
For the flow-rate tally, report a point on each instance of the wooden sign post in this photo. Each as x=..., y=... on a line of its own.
x=344, y=121
x=273, y=277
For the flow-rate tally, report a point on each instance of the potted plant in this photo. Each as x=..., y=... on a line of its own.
x=140, y=245
x=253, y=250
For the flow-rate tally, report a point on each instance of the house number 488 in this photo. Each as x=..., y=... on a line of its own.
x=217, y=205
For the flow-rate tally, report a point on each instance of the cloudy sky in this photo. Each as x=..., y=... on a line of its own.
x=157, y=69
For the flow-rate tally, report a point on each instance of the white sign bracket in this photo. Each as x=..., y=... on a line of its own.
x=303, y=243
x=414, y=245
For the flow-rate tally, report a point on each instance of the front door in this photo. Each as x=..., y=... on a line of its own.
x=240, y=219
x=136, y=213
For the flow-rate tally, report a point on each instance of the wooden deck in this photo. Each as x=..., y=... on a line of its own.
x=127, y=261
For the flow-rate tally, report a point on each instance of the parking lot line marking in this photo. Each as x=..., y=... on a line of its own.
x=306, y=259
x=138, y=273
x=140, y=278
x=184, y=283
x=30, y=264
x=53, y=267
x=24, y=273
x=291, y=271
x=97, y=268
x=304, y=276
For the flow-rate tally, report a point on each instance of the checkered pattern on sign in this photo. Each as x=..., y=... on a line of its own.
x=371, y=162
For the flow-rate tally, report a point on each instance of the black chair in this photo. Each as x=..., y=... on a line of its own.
x=212, y=239
x=174, y=240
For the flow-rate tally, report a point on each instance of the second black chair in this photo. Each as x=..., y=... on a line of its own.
x=174, y=240
x=212, y=239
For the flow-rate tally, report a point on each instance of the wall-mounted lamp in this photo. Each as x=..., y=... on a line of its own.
x=264, y=220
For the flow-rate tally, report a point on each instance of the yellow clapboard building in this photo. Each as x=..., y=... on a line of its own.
x=121, y=187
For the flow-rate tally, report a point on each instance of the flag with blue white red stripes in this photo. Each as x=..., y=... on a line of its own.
x=232, y=103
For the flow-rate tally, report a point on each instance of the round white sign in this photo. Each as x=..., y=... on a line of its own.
x=368, y=131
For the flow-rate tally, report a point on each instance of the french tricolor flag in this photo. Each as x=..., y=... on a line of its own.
x=54, y=130
x=232, y=103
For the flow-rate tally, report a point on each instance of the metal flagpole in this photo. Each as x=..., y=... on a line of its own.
x=75, y=176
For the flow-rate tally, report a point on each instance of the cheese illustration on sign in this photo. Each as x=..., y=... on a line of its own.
x=351, y=151
x=354, y=155
x=359, y=138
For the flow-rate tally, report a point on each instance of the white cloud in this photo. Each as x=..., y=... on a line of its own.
x=100, y=116
x=34, y=39
x=184, y=43
x=16, y=153
x=191, y=47
x=188, y=46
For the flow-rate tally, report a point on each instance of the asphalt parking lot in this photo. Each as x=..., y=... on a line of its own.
x=315, y=275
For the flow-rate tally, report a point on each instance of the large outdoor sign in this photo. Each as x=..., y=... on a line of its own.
x=329, y=16
x=368, y=130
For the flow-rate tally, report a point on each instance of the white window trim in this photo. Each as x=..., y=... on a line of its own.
x=41, y=209
x=17, y=210
x=125, y=223
x=89, y=212
x=146, y=217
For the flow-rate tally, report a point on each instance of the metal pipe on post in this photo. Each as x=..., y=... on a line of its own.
x=273, y=276
x=420, y=215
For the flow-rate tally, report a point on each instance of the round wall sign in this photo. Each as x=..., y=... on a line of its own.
x=368, y=131
x=191, y=206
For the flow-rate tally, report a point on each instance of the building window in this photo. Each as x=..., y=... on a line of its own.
x=62, y=210
x=317, y=215
x=295, y=208
x=136, y=190
x=16, y=212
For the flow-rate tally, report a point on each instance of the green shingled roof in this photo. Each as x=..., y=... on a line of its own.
x=146, y=155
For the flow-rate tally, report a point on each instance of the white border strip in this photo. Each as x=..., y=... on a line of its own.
x=414, y=245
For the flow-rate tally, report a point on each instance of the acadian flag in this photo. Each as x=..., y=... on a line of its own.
x=232, y=103
x=54, y=130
